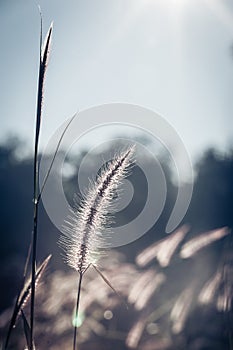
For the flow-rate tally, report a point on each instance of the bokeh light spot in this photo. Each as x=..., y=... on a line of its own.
x=108, y=315
x=77, y=321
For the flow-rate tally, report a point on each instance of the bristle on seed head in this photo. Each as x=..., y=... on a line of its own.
x=81, y=239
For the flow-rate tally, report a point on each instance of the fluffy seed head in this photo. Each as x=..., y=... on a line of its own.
x=82, y=239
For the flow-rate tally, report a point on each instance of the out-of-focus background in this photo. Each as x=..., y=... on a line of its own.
x=174, y=57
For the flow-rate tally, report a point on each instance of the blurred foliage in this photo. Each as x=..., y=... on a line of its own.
x=211, y=207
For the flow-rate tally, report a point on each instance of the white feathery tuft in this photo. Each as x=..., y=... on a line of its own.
x=82, y=239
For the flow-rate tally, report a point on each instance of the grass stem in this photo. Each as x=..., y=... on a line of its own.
x=41, y=79
x=76, y=310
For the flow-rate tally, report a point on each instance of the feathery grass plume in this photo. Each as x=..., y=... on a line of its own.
x=15, y=309
x=164, y=249
x=181, y=310
x=225, y=297
x=210, y=288
x=142, y=281
x=26, y=292
x=149, y=290
x=135, y=334
x=24, y=297
x=82, y=239
x=147, y=322
x=194, y=245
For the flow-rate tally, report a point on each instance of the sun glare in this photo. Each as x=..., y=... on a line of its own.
x=168, y=4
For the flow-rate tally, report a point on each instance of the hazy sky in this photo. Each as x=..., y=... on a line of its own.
x=172, y=56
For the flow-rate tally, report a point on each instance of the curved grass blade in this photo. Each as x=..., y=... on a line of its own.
x=27, y=331
x=54, y=156
x=109, y=284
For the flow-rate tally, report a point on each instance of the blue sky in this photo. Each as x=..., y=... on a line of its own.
x=172, y=56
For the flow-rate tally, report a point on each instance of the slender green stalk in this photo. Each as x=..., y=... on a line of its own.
x=34, y=251
x=76, y=310
x=35, y=192
x=35, y=216
x=42, y=70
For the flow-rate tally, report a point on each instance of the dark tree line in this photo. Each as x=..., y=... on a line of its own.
x=211, y=207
